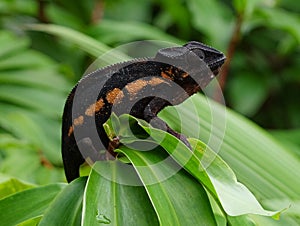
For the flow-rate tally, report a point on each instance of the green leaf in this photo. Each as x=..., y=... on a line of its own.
x=207, y=167
x=27, y=204
x=246, y=7
x=66, y=208
x=14, y=166
x=84, y=42
x=241, y=220
x=32, y=94
x=31, y=222
x=294, y=205
x=260, y=162
x=164, y=182
x=219, y=21
x=267, y=168
x=10, y=44
x=290, y=139
x=9, y=186
x=245, y=89
x=234, y=196
x=59, y=15
x=33, y=98
x=109, y=201
x=30, y=128
x=45, y=77
x=109, y=31
x=280, y=19
x=283, y=221
x=27, y=59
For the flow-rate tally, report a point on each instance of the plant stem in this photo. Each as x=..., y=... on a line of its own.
x=41, y=11
x=235, y=38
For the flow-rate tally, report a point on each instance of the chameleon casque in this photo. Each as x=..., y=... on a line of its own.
x=140, y=87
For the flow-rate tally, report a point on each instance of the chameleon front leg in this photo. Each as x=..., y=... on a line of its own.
x=150, y=115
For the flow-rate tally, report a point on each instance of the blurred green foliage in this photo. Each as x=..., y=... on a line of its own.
x=263, y=78
x=37, y=69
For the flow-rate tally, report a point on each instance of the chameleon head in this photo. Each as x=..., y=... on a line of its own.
x=190, y=54
x=212, y=57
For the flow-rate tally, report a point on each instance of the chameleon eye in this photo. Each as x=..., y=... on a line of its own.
x=199, y=53
x=193, y=57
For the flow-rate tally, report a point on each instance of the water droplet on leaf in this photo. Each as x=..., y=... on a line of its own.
x=101, y=218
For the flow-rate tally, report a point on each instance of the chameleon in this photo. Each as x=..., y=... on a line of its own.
x=141, y=87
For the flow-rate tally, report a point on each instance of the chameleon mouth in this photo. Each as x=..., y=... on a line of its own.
x=216, y=65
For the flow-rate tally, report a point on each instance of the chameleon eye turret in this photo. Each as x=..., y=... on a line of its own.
x=171, y=53
x=212, y=57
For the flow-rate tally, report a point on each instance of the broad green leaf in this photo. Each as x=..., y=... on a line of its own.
x=49, y=103
x=26, y=59
x=27, y=204
x=245, y=89
x=30, y=129
x=240, y=5
x=32, y=93
x=66, y=208
x=45, y=77
x=31, y=222
x=9, y=186
x=207, y=167
x=109, y=199
x=217, y=15
x=109, y=31
x=234, y=196
x=14, y=166
x=174, y=12
x=267, y=168
x=115, y=10
x=264, y=165
x=294, y=205
x=9, y=141
x=225, y=220
x=246, y=7
x=243, y=220
x=283, y=221
x=280, y=19
x=84, y=42
x=59, y=15
x=15, y=7
x=36, y=171
x=290, y=139
x=170, y=188
x=10, y=44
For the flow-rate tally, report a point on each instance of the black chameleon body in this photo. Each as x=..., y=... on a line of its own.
x=141, y=87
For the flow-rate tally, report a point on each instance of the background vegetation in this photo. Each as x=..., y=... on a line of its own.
x=39, y=64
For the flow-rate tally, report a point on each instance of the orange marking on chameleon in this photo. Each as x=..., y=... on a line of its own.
x=134, y=87
x=114, y=96
x=78, y=121
x=71, y=130
x=170, y=71
x=94, y=108
x=184, y=75
x=156, y=81
x=165, y=75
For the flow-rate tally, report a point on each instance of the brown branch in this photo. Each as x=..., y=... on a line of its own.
x=97, y=13
x=44, y=161
x=41, y=11
x=235, y=38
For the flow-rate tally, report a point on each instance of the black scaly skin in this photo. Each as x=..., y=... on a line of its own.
x=143, y=85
